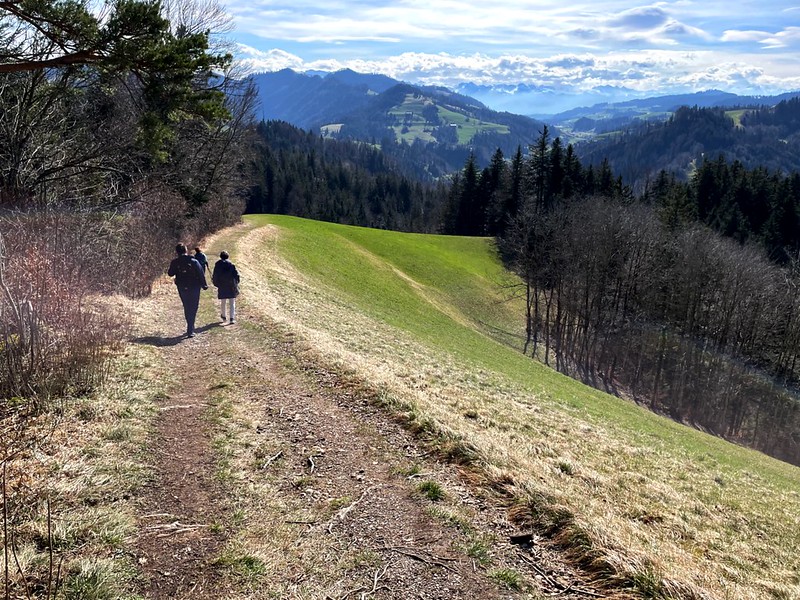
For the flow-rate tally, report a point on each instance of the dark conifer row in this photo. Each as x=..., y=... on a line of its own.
x=748, y=205
x=302, y=174
x=763, y=137
x=641, y=296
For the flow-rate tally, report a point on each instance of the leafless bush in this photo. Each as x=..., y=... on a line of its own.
x=54, y=340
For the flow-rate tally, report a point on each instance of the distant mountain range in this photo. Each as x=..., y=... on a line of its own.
x=765, y=136
x=437, y=128
x=604, y=117
x=541, y=101
x=310, y=101
x=314, y=99
x=549, y=104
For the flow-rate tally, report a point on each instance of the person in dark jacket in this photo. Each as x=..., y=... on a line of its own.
x=202, y=259
x=189, y=279
x=226, y=280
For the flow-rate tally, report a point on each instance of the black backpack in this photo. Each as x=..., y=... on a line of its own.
x=186, y=271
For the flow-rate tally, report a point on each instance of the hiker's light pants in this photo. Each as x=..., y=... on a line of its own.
x=231, y=306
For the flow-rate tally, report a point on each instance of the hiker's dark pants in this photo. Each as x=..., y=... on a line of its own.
x=190, y=297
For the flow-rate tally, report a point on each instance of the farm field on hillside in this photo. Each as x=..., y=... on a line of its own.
x=414, y=125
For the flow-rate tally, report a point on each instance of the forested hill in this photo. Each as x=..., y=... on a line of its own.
x=308, y=101
x=764, y=137
x=295, y=172
x=648, y=295
x=602, y=117
x=441, y=126
x=441, y=121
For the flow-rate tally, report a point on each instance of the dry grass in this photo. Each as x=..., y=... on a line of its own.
x=87, y=470
x=285, y=540
x=265, y=539
x=659, y=510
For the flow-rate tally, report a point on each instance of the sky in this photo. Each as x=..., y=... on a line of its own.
x=568, y=49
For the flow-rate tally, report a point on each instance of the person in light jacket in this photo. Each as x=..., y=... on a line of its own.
x=226, y=279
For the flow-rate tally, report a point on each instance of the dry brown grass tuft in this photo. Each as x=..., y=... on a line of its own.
x=57, y=343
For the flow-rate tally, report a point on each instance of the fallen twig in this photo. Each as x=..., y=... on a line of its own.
x=272, y=459
x=550, y=581
x=174, y=528
x=343, y=511
x=577, y=590
x=375, y=579
x=562, y=589
x=435, y=560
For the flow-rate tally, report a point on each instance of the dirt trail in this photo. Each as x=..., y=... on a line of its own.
x=183, y=506
x=327, y=504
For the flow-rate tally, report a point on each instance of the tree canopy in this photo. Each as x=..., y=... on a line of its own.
x=123, y=35
x=169, y=68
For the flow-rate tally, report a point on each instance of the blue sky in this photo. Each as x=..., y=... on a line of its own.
x=563, y=47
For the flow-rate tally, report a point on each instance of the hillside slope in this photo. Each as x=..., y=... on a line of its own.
x=647, y=504
x=442, y=126
x=765, y=137
x=268, y=479
x=270, y=475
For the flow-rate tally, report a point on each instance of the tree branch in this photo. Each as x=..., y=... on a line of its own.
x=76, y=58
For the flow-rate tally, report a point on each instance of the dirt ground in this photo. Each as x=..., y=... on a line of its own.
x=329, y=502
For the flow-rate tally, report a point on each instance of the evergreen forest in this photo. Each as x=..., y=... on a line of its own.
x=683, y=298
x=756, y=136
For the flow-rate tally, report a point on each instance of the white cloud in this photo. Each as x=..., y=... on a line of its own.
x=502, y=22
x=643, y=17
x=648, y=47
x=644, y=71
x=737, y=36
x=786, y=38
x=254, y=60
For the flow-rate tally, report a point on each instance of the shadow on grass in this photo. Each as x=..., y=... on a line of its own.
x=161, y=342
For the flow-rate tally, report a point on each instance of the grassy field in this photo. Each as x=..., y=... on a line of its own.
x=414, y=125
x=647, y=504
x=736, y=115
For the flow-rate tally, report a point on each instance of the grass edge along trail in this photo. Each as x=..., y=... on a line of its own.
x=646, y=504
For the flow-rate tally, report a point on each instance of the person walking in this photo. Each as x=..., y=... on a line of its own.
x=202, y=259
x=189, y=279
x=226, y=279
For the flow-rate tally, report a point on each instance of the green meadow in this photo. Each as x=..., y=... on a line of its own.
x=417, y=127
x=736, y=115
x=436, y=322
